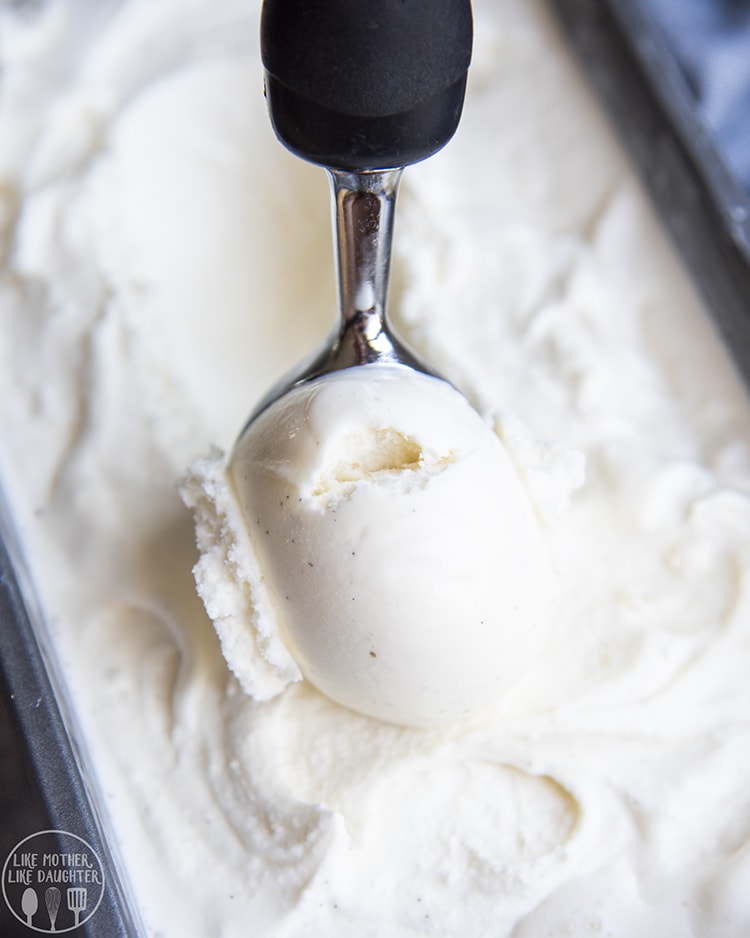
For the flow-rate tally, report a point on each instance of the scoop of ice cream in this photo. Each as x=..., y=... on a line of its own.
x=402, y=560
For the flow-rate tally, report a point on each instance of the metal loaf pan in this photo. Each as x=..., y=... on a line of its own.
x=45, y=781
x=49, y=801
x=634, y=70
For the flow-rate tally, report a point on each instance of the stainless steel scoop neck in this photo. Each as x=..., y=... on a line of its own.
x=363, y=206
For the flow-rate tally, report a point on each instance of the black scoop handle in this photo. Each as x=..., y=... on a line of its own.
x=365, y=84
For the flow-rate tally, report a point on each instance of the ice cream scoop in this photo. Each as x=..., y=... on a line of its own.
x=363, y=87
x=405, y=566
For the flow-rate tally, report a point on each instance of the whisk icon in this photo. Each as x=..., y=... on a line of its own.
x=52, y=901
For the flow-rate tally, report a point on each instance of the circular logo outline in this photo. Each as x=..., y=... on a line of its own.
x=52, y=930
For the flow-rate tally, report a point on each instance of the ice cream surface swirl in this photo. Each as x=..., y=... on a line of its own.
x=149, y=224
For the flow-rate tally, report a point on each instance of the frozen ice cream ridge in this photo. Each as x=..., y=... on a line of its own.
x=401, y=564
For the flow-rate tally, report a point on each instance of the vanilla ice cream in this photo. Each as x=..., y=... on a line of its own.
x=163, y=262
x=403, y=565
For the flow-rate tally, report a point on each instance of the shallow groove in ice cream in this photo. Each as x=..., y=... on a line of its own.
x=377, y=454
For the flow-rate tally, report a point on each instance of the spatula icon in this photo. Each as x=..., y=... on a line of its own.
x=77, y=897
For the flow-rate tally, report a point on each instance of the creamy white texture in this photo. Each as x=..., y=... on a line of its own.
x=388, y=544
x=158, y=245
